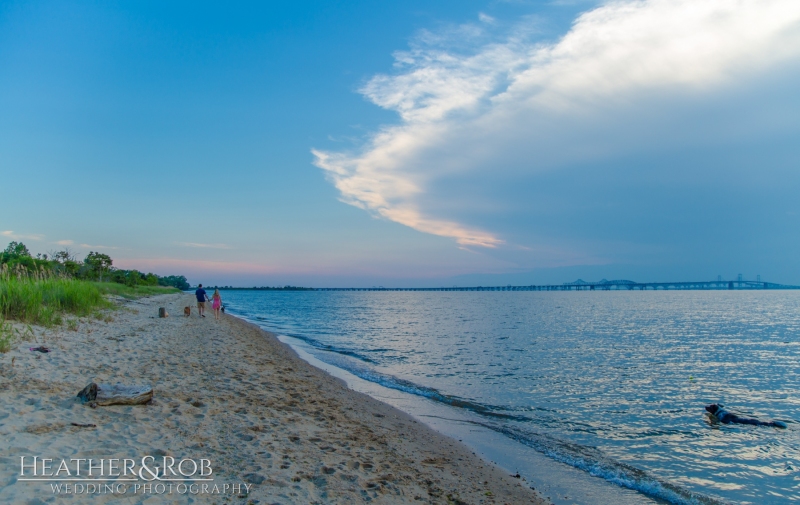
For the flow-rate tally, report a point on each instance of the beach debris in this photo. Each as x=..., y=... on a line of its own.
x=89, y=393
x=87, y=425
x=116, y=394
x=41, y=429
x=162, y=312
x=41, y=348
x=455, y=500
x=254, y=478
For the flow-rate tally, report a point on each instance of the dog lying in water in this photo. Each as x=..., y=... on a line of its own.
x=725, y=417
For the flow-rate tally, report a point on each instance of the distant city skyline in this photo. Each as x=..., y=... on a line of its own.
x=417, y=144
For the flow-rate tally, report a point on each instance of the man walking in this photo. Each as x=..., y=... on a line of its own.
x=201, y=299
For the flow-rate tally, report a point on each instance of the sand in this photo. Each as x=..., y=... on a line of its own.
x=273, y=428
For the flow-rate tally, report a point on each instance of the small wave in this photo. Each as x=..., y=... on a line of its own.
x=258, y=320
x=316, y=344
x=595, y=463
x=391, y=382
x=406, y=386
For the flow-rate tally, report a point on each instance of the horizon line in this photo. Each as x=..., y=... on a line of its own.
x=579, y=285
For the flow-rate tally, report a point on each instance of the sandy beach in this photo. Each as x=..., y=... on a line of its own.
x=270, y=427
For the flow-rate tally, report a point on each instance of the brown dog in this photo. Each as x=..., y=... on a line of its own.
x=187, y=311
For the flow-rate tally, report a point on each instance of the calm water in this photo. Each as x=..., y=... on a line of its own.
x=613, y=383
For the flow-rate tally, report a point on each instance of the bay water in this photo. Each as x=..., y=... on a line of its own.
x=612, y=383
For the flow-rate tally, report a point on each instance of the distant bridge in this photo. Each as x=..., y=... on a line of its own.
x=620, y=285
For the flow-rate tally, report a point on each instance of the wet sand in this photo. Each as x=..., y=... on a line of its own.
x=272, y=425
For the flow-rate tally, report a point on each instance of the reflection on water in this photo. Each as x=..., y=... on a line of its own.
x=611, y=382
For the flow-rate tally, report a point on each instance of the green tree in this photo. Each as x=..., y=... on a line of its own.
x=65, y=261
x=178, y=281
x=133, y=278
x=16, y=250
x=99, y=263
x=64, y=256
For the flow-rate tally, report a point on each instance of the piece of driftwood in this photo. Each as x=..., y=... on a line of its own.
x=116, y=394
x=89, y=393
x=162, y=312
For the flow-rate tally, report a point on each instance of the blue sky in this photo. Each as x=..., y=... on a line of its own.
x=406, y=143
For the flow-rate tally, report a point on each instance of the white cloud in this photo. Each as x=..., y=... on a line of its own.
x=18, y=236
x=485, y=18
x=461, y=110
x=204, y=246
x=68, y=242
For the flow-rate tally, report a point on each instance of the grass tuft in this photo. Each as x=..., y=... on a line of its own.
x=9, y=335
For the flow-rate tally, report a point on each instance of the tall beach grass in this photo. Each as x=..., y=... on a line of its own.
x=44, y=301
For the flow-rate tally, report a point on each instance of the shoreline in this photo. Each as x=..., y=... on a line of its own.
x=229, y=392
x=558, y=482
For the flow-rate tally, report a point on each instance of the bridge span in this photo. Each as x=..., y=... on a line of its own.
x=620, y=285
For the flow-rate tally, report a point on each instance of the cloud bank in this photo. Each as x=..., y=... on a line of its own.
x=487, y=102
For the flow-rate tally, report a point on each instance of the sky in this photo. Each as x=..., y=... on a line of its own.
x=415, y=143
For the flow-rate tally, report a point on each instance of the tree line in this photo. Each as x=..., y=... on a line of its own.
x=95, y=267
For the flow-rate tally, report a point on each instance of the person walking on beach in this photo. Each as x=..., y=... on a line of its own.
x=216, y=303
x=201, y=299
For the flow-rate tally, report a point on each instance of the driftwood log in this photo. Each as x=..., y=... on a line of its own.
x=116, y=394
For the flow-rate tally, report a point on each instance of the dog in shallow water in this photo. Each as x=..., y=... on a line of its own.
x=725, y=417
x=187, y=311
